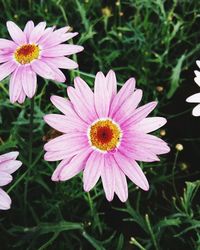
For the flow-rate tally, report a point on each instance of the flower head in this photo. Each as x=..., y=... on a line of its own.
x=36, y=50
x=8, y=165
x=104, y=134
x=196, y=97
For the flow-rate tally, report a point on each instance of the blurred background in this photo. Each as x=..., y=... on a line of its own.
x=155, y=41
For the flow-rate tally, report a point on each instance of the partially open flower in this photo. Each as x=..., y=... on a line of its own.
x=105, y=133
x=8, y=165
x=35, y=50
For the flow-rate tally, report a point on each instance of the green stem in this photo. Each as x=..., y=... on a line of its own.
x=30, y=157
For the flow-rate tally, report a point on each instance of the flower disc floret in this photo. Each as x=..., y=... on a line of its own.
x=27, y=53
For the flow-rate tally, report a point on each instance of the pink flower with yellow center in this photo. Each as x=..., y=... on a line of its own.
x=104, y=134
x=8, y=165
x=36, y=50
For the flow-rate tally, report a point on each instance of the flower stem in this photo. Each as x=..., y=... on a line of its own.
x=30, y=147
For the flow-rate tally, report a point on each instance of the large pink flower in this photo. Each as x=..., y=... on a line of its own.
x=8, y=165
x=36, y=50
x=104, y=134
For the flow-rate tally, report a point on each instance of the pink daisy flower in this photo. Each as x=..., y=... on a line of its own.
x=104, y=134
x=196, y=97
x=35, y=50
x=8, y=165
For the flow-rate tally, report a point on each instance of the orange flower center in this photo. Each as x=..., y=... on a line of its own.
x=104, y=135
x=27, y=53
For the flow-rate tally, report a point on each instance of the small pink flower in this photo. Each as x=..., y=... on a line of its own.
x=196, y=97
x=8, y=165
x=36, y=50
x=104, y=134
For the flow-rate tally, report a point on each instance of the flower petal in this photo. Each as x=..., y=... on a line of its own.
x=7, y=44
x=64, y=124
x=121, y=188
x=196, y=110
x=125, y=111
x=108, y=178
x=21, y=97
x=150, y=124
x=16, y=33
x=37, y=32
x=101, y=98
x=63, y=62
x=75, y=166
x=80, y=106
x=28, y=29
x=92, y=171
x=111, y=84
x=9, y=156
x=42, y=69
x=132, y=170
x=29, y=81
x=5, y=201
x=56, y=173
x=194, y=98
x=10, y=166
x=67, y=142
x=61, y=50
x=6, y=57
x=122, y=95
x=5, y=178
x=6, y=69
x=15, y=86
x=139, y=114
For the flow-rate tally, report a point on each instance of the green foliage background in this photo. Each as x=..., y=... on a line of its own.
x=155, y=41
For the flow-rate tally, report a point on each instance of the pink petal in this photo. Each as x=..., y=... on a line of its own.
x=9, y=156
x=5, y=178
x=125, y=111
x=132, y=170
x=45, y=36
x=64, y=124
x=6, y=57
x=5, y=201
x=101, y=98
x=67, y=142
x=137, y=153
x=42, y=69
x=21, y=97
x=55, y=39
x=66, y=108
x=15, y=86
x=63, y=62
x=10, y=166
x=29, y=81
x=37, y=32
x=28, y=29
x=56, y=173
x=62, y=50
x=75, y=166
x=139, y=114
x=7, y=44
x=196, y=110
x=93, y=169
x=121, y=188
x=6, y=69
x=86, y=94
x=194, y=98
x=58, y=75
x=150, y=124
x=111, y=84
x=16, y=33
x=122, y=95
x=108, y=177
x=80, y=106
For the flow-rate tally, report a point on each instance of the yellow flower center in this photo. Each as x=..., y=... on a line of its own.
x=27, y=53
x=105, y=135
